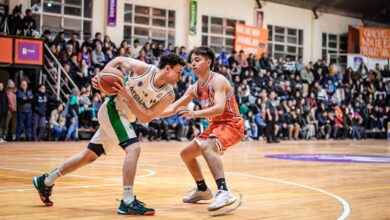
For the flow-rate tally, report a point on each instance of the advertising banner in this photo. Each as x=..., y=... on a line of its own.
x=28, y=52
x=193, y=16
x=111, y=17
x=251, y=39
x=375, y=42
x=6, y=50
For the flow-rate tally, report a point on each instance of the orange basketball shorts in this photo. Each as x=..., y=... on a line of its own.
x=227, y=134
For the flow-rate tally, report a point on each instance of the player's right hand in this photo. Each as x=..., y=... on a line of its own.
x=95, y=82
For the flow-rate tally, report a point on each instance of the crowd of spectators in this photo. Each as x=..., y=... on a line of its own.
x=278, y=98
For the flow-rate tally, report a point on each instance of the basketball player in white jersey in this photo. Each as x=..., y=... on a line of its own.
x=147, y=92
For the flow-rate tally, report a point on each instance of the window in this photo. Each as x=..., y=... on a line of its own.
x=149, y=24
x=64, y=15
x=336, y=45
x=218, y=33
x=284, y=41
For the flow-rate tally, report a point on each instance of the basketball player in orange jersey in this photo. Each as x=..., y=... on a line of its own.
x=219, y=106
x=149, y=90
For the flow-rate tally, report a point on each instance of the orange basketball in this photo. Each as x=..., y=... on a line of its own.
x=107, y=77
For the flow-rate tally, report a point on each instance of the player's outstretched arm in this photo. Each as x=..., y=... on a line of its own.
x=127, y=63
x=220, y=86
x=183, y=101
x=143, y=115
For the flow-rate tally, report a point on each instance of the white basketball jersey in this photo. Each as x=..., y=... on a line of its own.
x=141, y=88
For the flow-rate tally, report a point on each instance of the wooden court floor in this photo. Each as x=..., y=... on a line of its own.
x=270, y=188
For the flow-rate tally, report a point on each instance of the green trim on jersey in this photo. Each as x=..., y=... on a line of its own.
x=115, y=120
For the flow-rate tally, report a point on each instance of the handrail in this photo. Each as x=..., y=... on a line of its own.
x=60, y=70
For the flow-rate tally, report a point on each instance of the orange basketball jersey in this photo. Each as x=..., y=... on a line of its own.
x=205, y=95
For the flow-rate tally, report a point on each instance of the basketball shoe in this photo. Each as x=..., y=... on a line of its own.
x=222, y=198
x=136, y=207
x=43, y=190
x=195, y=195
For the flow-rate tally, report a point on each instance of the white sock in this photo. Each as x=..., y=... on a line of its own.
x=51, y=178
x=128, y=195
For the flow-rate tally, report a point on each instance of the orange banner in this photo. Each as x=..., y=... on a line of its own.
x=6, y=50
x=375, y=42
x=251, y=39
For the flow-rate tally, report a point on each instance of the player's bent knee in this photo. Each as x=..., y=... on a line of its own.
x=133, y=149
x=97, y=150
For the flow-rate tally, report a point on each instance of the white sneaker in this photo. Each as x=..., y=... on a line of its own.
x=2, y=141
x=222, y=198
x=194, y=195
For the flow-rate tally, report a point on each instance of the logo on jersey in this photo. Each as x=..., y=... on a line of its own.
x=140, y=83
x=138, y=98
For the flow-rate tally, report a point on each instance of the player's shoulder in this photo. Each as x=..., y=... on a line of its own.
x=219, y=80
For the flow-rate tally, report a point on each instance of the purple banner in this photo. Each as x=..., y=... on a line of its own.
x=29, y=51
x=111, y=17
x=342, y=158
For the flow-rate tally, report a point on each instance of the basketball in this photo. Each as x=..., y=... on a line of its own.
x=107, y=77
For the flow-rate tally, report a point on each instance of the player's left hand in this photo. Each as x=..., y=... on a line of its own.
x=186, y=113
x=120, y=89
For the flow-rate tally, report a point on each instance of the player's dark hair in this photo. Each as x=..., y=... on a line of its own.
x=205, y=52
x=171, y=60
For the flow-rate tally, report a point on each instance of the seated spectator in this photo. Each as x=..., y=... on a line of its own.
x=144, y=130
x=109, y=55
x=324, y=124
x=97, y=40
x=149, y=53
x=108, y=44
x=58, y=122
x=60, y=41
x=172, y=122
x=29, y=24
x=98, y=57
x=135, y=49
x=67, y=54
x=85, y=55
x=183, y=53
x=251, y=127
x=74, y=41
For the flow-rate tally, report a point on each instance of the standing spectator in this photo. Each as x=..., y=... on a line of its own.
x=57, y=122
x=39, y=116
x=12, y=113
x=15, y=23
x=24, y=99
x=72, y=112
x=135, y=49
x=98, y=57
x=271, y=118
x=75, y=42
x=29, y=24
x=3, y=111
x=46, y=36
